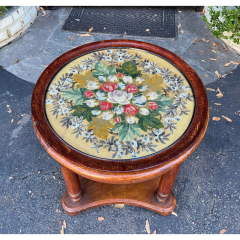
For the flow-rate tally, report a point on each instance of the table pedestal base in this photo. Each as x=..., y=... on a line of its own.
x=97, y=194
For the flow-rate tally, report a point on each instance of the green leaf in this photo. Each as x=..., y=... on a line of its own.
x=135, y=74
x=74, y=94
x=119, y=70
x=149, y=121
x=128, y=132
x=163, y=102
x=112, y=70
x=102, y=68
x=83, y=111
x=118, y=127
x=129, y=67
x=143, y=125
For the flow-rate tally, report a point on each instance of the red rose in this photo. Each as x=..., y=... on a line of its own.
x=109, y=86
x=105, y=105
x=89, y=93
x=130, y=109
x=152, y=105
x=118, y=120
x=132, y=88
x=120, y=75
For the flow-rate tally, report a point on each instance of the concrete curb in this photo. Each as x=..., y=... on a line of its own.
x=15, y=22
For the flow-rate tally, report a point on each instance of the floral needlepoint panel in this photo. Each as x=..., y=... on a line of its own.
x=119, y=103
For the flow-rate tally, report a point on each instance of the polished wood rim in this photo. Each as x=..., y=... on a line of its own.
x=136, y=169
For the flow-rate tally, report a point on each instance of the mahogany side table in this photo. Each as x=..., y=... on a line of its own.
x=120, y=116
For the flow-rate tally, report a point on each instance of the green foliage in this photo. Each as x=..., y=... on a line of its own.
x=231, y=23
x=130, y=69
x=163, y=102
x=101, y=69
x=75, y=94
x=2, y=8
x=84, y=111
x=128, y=132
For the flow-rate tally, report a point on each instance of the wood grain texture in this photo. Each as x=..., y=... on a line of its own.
x=117, y=171
x=97, y=194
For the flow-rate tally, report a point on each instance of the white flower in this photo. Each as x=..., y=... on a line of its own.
x=92, y=103
x=54, y=91
x=74, y=71
x=118, y=96
x=49, y=101
x=101, y=78
x=168, y=80
x=157, y=132
x=134, y=155
x=184, y=87
x=139, y=80
x=108, y=58
x=83, y=66
x=74, y=125
x=100, y=95
x=152, y=95
x=133, y=143
x=167, y=121
x=65, y=110
x=144, y=111
x=139, y=100
x=92, y=85
x=143, y=88
x=96, y=112
x=131, y=119
x=86, y=134
x=108, y=51
x=121, y=153
x=120, y=52
x=68, y=80
x=61, y=101
x=120, y=59
x=118, y=110
x=145, y=139
x=122, y=86
x=107, y=115
x=127, y=79
x=112, y=78
x=147, y=64
x=178, y=118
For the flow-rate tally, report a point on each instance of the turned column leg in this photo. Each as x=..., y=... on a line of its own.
x=72, y=183
x=166, y=184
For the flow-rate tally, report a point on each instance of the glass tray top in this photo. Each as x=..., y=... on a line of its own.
x=119, y=103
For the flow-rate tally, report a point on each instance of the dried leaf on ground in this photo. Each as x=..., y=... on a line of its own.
x=203, y=11
x=216, y=118
x=196, y=40
x=39, y=172
x=206, y=75
x=101, y=218
x=197, y=157
x=85, y=35
x=210, y=89
x=179, y=25
x=220, y=94
x=8, y=105
x=227, y=64
x=228, y=119
x=155, y=232
x=44, y=13
x=12, y=121
x=9, y=110
x=217, y=103
x=213, y=59
x=207, y=40
x=202, y=52
x=147, y=227
x=118, y=205
x=181, y=31
x=32, y=194
x=223, y=76
x=16, y=60
x=62, y=230
x=173, y=213
x=222, y=231
x=203, y=60
x=64, y=224
x=147, y=30
x=19, y=122
x=213, y=51
x=217, y=73
x=214, y=44
x=54, y=177
x=44, y=65
x=90, y=29
x=236, y=63
x=203, y=39
x=10, y=177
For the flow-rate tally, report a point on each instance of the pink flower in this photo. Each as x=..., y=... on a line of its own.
x=132, y=88
x=130, y=109
x=120, y=75
x=105, y=105
x=152, y=105
x=89, y=93
x=117, y=120
x=109, y=86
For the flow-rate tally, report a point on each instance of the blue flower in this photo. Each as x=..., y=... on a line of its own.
x=122, y=86
x=100, y=95
x=139, y=100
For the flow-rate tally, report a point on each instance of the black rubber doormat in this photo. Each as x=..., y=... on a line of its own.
x=157, y=22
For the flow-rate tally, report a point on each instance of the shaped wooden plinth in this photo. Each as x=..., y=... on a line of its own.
x=97, y=194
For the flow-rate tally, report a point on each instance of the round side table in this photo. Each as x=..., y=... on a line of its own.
x=120, y=116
